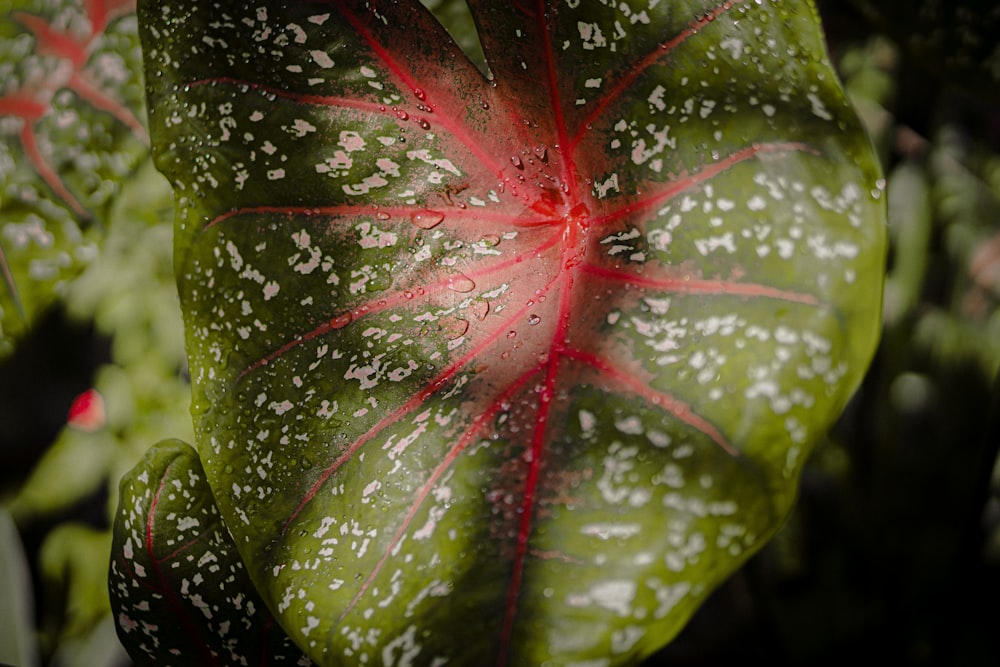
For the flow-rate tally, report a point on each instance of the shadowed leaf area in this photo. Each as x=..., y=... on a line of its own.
x=509, y=368
x=176, y=570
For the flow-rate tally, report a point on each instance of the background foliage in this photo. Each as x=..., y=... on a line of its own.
x=896, y=540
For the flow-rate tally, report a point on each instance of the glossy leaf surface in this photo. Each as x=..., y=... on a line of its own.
x=180, y=590
x=537, y=356
x=70, y=133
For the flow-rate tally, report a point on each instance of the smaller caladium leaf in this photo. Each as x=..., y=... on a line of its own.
x=179, y=588
x=70, y=133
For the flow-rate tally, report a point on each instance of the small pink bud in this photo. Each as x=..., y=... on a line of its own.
x=87, y=412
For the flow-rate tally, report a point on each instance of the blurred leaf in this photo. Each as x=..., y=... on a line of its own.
x=69, y=135
x=71, y=469
x=910, y=227
x=957, y=40
x=456, y=18
x=72, y=564
x=99, y=648
x=18, y=644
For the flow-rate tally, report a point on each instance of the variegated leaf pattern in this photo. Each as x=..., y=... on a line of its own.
x=181, y=592
x=510, y=369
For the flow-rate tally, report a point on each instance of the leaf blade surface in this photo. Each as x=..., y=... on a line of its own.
x=539, y=354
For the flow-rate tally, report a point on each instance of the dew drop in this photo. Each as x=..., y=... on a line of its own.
x=511, y=334
x=534, y=319
x=426, y=219
x=480, y=309
x=424, y=125
x=461, y=283
x=491, y=240
x=516, y=161
x=382, y=215
x=879, y=188
x=454, y=328
x=341, y=321
x=419, y=94
x=541, y=152
x=401, y=115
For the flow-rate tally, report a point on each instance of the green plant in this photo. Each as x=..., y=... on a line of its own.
x=538, y=355
x=85, y=230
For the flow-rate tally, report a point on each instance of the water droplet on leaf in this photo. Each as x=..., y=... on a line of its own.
x=534, y=319
x=454, y=327
x=461, y=283
x=341, y=321
x=480, y=309
x=427, y=219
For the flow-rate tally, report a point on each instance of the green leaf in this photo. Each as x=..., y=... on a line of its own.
x=17, y=626
x=180, y=591
x=72, y=563
x=538, y=356
x=70, y=133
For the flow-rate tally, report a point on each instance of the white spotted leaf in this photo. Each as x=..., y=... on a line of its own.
x=536, y=355
x=181, y=593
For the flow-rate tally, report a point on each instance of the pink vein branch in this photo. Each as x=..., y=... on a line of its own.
x=47, y=173
x=674, y=406
x=392, y=301
x=301, y=98
x=663, y=52
x=432, y=387
x=692, y=286
x=687, y=181
x=467, y=438
x=167, y=590
x=527, y=510
x=537, y=450
x=568, y=164
x=454, y=128
x=346, y=210
x=101, y=101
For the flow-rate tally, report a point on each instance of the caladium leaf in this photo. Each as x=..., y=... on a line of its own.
x=181, y=592
x=509, y=369
x=70, y=133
